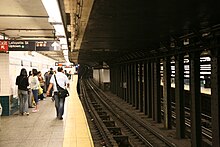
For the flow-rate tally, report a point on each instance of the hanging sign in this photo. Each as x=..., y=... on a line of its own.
x=21, y=45
x=24, y=45
x=44, y=45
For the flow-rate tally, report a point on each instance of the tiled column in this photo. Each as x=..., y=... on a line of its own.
x=4, y=83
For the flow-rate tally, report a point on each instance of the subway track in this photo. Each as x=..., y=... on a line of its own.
x=120, y=124
x=205, y=122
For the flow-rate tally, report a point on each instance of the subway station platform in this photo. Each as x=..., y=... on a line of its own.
x=43, y=129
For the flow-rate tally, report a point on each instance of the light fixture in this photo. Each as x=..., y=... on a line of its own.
x=53, y=10
x=59, y=30
x=54, y=13
x=55, y=19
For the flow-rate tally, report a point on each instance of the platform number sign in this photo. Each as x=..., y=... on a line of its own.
x=4, y=46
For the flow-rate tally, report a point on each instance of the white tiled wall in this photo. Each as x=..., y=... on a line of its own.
x=24, y=59
x=4, y=74
x=11, y=64
x=96, y=74
x=105, y=75
x=101, y=74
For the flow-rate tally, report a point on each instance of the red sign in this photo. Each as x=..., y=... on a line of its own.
x=4, y=46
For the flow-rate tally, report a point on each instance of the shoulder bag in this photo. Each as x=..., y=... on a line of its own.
x=62, y=93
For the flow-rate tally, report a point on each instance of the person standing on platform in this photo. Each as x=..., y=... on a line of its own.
x=41, y=80
x=30, y=94
x=22, y=82
x=63, y=82
x=47, y=80
x=34, y=84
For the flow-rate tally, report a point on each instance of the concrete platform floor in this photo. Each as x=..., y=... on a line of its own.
x=43, y=129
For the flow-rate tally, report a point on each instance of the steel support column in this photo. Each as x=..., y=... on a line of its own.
x=196, y=132
x=118, y=80
x=136, y=86
x=126, y=83
x=152, y=90
x=157, y=95
x=145, y=89
x=132, y=84
x=114, y=80
x=141, y=87
x=111, y=79
x=179, y=96
x=149, y=92
x=121, y=81
x=166, y=93
x=215, y=97
x=129, y=83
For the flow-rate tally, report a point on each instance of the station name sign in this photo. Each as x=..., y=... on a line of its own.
x=23, y=45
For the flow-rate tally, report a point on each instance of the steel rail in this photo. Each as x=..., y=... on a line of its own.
x=98, y=122
x=161, y=137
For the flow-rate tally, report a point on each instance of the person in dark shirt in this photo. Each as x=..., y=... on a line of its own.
x=22, y=82
x=47, y=80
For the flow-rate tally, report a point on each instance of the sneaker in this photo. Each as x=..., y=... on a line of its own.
x=35, y=110
x=26, y=113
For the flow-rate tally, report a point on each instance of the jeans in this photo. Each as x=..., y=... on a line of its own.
x=30, y=94
x=35, y=93
x=59, y=104
x=23, y=98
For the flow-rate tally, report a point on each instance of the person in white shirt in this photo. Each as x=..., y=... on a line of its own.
x=34, y=84
x=63, y=82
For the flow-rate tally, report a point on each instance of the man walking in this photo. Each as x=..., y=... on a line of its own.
x=61, y=79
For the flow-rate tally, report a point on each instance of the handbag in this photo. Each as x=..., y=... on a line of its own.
x=40, y=90
x=62, y=93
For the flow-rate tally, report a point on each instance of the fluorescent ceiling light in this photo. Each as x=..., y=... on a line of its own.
x=65, y=52
x=63, y=41
x=64, y=46
x=55, y=19
x=53, y=10
x=59, y=30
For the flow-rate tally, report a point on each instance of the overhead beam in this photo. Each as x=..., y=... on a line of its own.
x=28, y=16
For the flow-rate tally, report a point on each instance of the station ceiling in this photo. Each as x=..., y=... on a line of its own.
x=112, y=31
x=27, y=20
x=120, y=29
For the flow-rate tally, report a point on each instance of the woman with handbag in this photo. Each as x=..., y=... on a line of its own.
x=41, y=86
x=34, y=84
x=57, y=81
